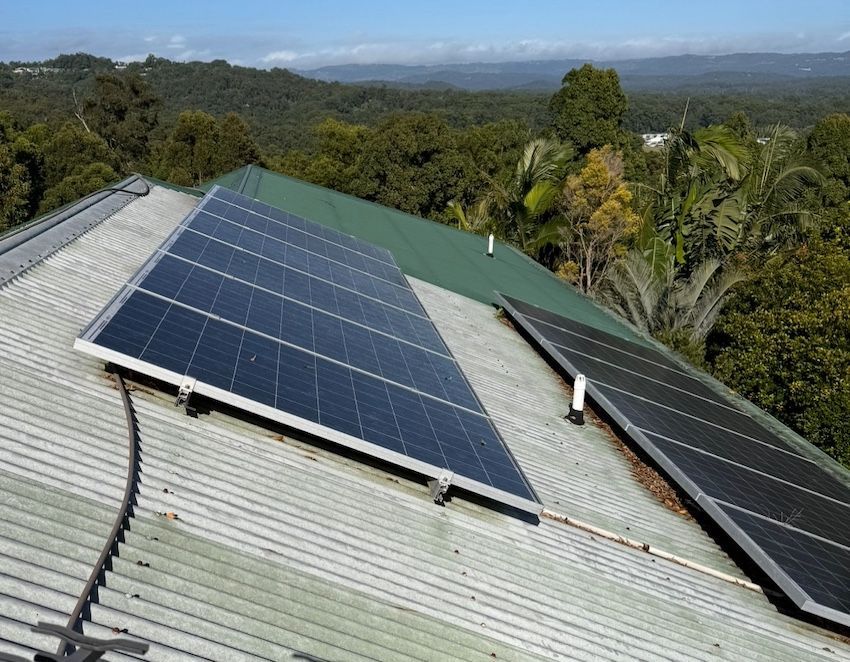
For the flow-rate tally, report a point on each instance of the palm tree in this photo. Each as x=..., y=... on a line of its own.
x=475, y=218
x=656, y=295
x=719, y=195
x=695, y=207
x=774, y=188
x=517, y=205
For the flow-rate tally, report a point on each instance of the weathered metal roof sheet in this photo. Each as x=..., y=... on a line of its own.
x=283, y=546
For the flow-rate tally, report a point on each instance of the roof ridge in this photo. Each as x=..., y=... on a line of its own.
x=27, y=245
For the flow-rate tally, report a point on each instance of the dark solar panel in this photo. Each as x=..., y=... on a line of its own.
x=818, y=566
x=621, y=366
x=761, y=494
x=596, y=336
x=319, y=330
x=761, y=457
x=788, y=512
x=670, y=421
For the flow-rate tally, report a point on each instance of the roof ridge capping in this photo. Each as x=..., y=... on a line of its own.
x=26, y=245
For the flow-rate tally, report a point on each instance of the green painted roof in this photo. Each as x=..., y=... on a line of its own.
x=424, y=249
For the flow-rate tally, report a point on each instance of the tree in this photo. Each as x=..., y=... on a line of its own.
x=85, y=180
x=694, y=208
x=653, y=292
x=236, y=144
x=594, y=222
x=200, y=148
x=123, y=110
x=475, y=218
x=588, y=110
x=719, y=195
x=784, y=343
x=411, y=162
x=777, y=216
x=829, y=144
x=334, y=164
x=70, y=148
x=14, y=190
x=518, y=204
x=24, y=148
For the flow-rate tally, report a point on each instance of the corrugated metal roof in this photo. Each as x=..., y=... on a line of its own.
x=280, y=545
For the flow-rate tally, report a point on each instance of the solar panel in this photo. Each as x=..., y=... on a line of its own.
x=789, y=513
x=301, y=324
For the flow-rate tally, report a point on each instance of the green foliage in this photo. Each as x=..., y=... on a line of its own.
x=411, y=162
x=657, y=295
x=518, y=204
x=14, y=189
x=719, y=195
x=829, y=144
x=123, y=111
x=200, y=148
x=594, y=221
x=588, y=110
x=784, y=343
x=334, y=162
x=415, y=162
x=69, y=148
x=85, y=180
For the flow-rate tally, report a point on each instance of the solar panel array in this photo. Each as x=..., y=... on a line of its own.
x=786, y=511
x=297, y=322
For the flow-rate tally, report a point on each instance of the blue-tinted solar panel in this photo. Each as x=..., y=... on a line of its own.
x=287, y=318
x=788, y=512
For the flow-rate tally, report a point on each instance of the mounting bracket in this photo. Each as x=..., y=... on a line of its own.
x=440, y=485
x=185, y=392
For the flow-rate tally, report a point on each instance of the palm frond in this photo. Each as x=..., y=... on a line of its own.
x=710, y=303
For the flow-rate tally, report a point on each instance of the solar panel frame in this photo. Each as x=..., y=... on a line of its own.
x=713, y=507
x=506, y=484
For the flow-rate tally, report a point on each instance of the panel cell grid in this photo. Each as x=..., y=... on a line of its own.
x=270, y=312
x=817, y=565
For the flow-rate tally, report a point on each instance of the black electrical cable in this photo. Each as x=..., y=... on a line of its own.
x=121, y=518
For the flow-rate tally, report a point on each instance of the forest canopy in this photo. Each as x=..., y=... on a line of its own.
x=730, y=243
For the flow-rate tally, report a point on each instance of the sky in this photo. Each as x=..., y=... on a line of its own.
x=305, y=34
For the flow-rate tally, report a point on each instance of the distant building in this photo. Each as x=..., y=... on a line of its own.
x=34, y=71
x=655, y=139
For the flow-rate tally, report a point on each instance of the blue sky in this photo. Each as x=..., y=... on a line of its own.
x=312, y=33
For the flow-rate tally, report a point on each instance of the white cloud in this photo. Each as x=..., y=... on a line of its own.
x=177, y=41
x=280, y=56
x=844, y=37
x=150, y=39
x=193, y=54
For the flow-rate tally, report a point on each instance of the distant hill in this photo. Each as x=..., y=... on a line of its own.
x=282, y=107
x=636, y=74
